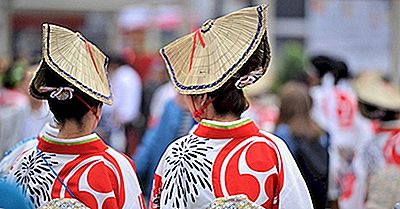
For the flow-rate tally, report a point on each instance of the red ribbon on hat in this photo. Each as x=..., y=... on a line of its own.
x=91, y=56
x=197, y=33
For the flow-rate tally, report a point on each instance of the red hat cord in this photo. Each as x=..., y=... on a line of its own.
x=198, y=113
x=197, y=33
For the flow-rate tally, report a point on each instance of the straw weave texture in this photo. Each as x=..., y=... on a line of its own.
x=371, y=88
x=77, y=60
x=229, y=42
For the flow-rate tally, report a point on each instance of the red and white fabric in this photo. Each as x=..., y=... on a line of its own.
x=94, y=173
x=222, y=159
x=335, y=109
x=375, y=155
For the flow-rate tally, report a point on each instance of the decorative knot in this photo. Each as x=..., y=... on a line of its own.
x=59, y=93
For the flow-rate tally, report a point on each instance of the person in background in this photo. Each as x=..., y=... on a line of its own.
x=161, y=96
x=175, y=121
x=12, y=198
x=306, y=140
x=335, y=110
x=151, y=90
x=4, y=63
x=13, y=107
x=263, y=107
x=380, y=157
x=38, y=113
x=225, y=155
x=72, y=161
x=127, y=88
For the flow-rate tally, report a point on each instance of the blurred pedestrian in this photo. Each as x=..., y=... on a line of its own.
x=12, y=198
x=225, y=155
x=380, y=101
x=37, y=114
x=263, y=109
x=13, y=108
x=73, y=161
x=151, y=89
x=161, y=96
x=306, y=140
x=127, y=89
x=335, y=110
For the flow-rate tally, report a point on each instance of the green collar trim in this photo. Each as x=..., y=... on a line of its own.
x=225, y=125
x=84, y=140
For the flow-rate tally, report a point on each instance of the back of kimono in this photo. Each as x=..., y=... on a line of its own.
x=201, y=167
x=97, y=175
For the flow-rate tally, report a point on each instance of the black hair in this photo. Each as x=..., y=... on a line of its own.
x=229, y=99
x=341, y=71
x=323, y=65
x=63, y=110
x=375, y=113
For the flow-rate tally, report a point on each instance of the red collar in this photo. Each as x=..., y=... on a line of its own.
x=394, y=130
x=94, y=146
x=211, y=130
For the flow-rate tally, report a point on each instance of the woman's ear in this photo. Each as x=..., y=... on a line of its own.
x=99, y=110
x=203, y=99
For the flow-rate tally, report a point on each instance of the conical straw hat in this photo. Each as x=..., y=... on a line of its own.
x=76, y=60
x=373, y=90
x=204, y=60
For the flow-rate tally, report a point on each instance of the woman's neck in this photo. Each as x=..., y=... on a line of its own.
x=225, y=118
x=72, y=129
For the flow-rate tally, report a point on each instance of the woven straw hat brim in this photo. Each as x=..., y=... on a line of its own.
x=229, y=43
x=76, y=60
x=372, y=89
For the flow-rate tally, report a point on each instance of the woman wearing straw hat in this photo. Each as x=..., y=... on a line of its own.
x=225, y=155
x=380, y=157
x=74, y=162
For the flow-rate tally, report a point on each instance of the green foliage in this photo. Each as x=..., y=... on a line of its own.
x=291, y=65
x=13, y=76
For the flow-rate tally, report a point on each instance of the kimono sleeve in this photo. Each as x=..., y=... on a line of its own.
x=11, y=156
x=155, y=198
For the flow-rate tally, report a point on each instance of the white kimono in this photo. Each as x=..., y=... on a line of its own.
x=225, y=159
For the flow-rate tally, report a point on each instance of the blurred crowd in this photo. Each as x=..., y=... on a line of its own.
x=314, y=110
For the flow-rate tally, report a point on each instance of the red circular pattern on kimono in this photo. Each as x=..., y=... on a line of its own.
x=392, y=149
x=109, y=203
x=256, y=159
x=250, y=166
x=345, y=109
x=91, y=180
x=98, y=173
